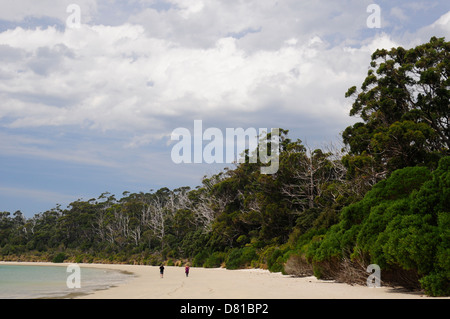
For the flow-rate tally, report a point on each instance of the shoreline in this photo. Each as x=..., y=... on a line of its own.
x=75, y=293
x=220, y=283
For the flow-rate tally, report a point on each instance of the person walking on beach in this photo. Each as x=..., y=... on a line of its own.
x=161, y=271
x=186, y=270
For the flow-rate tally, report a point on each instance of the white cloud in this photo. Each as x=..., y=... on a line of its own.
x=100, y=75
x=257, y=24
x=188, y=7
x=443, y=22
x=399, y=14
x=439, y=28
x=124, y=78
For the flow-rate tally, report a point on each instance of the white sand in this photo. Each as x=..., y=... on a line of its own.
x=231, y=284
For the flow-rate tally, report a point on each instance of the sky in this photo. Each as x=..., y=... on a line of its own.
x=89, y=98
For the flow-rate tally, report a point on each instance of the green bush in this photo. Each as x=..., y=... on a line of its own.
x=275, y=262
x=242, y=240
x=248, y=255
x=241, y=257
x=402, y=223
x=275, y=257
x=411, y=243
x=215, y=260
x=155, y=261
x=59, y=258
x=233, y=259
x=200, y=259
x=436, y=284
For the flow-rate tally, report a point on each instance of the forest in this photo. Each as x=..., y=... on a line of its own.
x=381, y=197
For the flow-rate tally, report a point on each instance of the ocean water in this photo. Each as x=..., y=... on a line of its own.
x=33, y=282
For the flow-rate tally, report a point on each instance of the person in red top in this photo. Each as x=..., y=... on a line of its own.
x=186, y=270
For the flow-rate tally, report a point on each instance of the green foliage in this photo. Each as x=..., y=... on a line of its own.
x=200, y=259
x=240, y=257
x=170, y=262
x=404, y=106
x=59, y=258
x=402, y=222
x=273, y=257
x=233, y=260
x=436, y=284
x=411, y=243
x=216, y=259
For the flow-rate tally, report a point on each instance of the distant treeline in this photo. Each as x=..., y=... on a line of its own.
x=383, y=197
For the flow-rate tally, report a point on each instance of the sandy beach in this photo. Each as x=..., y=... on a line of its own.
x=220, y=283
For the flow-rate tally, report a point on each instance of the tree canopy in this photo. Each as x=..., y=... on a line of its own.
x=404, y=107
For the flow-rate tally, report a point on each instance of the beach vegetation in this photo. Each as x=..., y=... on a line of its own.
x=381, y=197
x=59, y=258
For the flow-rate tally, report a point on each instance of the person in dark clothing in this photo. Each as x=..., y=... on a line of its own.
x=186, y=270
x=161, y=271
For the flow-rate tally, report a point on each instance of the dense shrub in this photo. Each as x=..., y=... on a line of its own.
x=436, y=284
x=215, y=260
x=241, y=257
x=59, y=258
x=200, y=259
x=233, y=260
x=401, y=224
